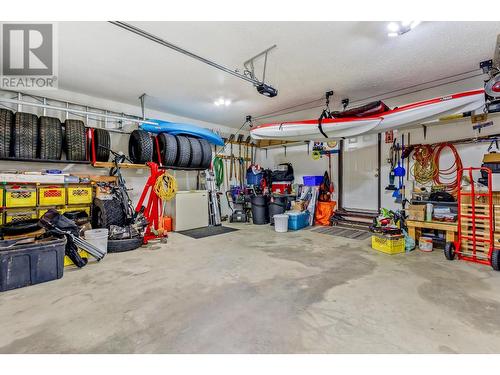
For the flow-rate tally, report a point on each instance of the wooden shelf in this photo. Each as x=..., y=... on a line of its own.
x=108, y=164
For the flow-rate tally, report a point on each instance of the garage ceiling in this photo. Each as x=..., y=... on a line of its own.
x=356, y=59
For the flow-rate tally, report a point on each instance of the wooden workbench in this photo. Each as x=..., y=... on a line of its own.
x=415, y=228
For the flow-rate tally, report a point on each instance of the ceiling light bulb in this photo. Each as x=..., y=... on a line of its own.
x=414, y=24
x=227, y=102
x=393, y=26
x=392, y=34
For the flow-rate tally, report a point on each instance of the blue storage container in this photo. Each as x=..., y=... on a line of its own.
x=312, y=180
x=29, y=264
x=254, y=179
x=298, y=220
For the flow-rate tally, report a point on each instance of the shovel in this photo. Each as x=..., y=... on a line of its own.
x=399, y=171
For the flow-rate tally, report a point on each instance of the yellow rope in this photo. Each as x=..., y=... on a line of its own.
x=166, y=187
x=424, y=167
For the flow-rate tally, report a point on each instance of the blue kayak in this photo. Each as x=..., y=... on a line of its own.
x=176, y=128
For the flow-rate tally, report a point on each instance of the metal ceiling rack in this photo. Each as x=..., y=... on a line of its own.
x=87, y=112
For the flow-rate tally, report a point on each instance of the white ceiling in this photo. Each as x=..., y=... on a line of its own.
x=355, y=59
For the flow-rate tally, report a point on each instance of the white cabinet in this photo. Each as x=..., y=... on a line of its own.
x=189, y=210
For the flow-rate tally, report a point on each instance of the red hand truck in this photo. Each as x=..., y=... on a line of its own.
x=475, y=240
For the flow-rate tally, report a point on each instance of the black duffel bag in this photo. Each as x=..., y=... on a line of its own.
x=286, y=175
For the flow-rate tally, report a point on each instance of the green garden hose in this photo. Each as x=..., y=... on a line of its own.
x=219, y=171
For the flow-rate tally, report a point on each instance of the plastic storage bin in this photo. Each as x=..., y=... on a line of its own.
x=281, y=223
x=51, y=196
x=312, y=180
x=42, y=211
x=388, y=245
x=12, y=216
x=298, y=220
x=23, y=265
x=17, y=196
x=79, y=194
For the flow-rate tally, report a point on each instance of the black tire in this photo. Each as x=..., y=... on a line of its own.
x=207, y=153
x=107, y=212
x=449, y=250
x=168, y=149
x=128, y=244
x=20, y=227
x=75, y=140
x=6, y=123
x=25, y=136
x=51, y=137
x=183, y=151
x=196, y=153
x=495, y=259
x=102, y=138
x=140, y=147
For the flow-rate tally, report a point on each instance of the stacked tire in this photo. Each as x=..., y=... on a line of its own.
x=6, y=121
x=102, y=144
x=75, y=140
x=50, y=138
x=140, y=147
x=27, y=136
x=183, y=151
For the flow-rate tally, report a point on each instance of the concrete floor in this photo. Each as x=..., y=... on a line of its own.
x=256, y=291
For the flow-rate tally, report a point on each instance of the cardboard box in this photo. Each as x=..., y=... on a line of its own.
x=416, y=212
x=492, y=157
x=298, y=205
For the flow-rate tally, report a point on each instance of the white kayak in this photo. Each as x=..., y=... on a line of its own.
x=345, y=127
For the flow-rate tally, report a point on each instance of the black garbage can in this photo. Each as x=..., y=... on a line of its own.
x=260, y=209
x=277, y=206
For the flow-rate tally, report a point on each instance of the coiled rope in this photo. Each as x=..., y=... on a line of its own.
x=424, y=168
x=166, y=187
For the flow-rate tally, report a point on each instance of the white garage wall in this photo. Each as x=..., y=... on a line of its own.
x=471, y=154
x=302, y=162
x=135, y=178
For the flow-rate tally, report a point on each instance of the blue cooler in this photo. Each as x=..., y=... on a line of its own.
x=298, y=220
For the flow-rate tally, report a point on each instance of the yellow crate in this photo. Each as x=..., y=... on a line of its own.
x=68, y=262
x=51, y=196
x=79, y=194
x=42, y=211
x=388, y=245
x=76, y=208
x=19, y=215
x=20, y=197
x=1, y=196
x=1, y=217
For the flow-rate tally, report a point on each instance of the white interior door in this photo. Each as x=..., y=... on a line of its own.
x=360, y=173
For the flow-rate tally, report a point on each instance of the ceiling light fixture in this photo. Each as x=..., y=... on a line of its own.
x=222, y=102
x=401, y=27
